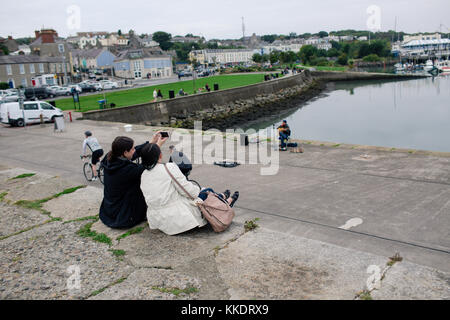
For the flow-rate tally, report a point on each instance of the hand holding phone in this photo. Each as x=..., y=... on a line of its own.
x=164, y=134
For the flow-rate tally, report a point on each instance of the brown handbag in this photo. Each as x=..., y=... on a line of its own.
x=216, y=210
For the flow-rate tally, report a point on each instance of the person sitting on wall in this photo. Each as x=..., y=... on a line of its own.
x=284, y=132
x=181, y=92
x=207, y=88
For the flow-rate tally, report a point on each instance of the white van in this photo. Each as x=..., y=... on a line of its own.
x=10, y=112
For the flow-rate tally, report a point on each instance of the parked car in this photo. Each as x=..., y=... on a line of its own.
x=52, y=91
x=63, y=91
x=109, y=84
x=89, y=87
x=36, y=93
x=77, y=87
x=10, y=113
x=9, y=96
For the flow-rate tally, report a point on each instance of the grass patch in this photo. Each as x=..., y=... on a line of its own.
x=365, y=295
x=176, y=291
x=95, y=218
x=144, y=95
x=96, y=292
x=29, y=228
x=337, y=145
x=118, y=253
x=394, y=259
x=25, y=175
x=130, y=232
x=250, y=224
x=37, y=204
x=86, y=232
x=2, y=196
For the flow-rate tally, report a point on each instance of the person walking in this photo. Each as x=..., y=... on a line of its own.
x=155, y=95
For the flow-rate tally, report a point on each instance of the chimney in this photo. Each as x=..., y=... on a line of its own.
x=37, y=33
x=10, y=38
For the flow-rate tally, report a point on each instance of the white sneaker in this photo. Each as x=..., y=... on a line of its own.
x=94, y=178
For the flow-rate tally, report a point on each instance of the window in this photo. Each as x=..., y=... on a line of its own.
x=22, y=69
x=8, y=70
x=41, y=67
x=30, y=106
x=32, y=68
x=46, y=106
x=24, y=82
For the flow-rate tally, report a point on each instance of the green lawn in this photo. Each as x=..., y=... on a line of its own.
x=142, y=95
x=323, y=68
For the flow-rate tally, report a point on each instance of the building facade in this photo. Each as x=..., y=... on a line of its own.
x=21, y=70
x=143, y=63
x=92, y=59
x=222, y=56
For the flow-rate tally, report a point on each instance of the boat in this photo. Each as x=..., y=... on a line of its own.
x=428, y=66
x=399, y=67
x=443, y=66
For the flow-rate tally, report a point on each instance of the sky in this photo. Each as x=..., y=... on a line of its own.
x=222, y=19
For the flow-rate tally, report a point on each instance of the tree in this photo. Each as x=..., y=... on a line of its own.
x=307, y=52
x=4, y=85
x=343, y=59
x=323, y=34
x=269, y=38
x=333, y=53
x=257, y=58
x=119, y=32
x=274, y=56
x=163, y=38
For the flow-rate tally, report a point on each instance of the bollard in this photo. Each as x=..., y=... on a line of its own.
x=41, y=117
x=70, y=116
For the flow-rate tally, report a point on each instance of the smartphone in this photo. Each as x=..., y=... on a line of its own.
x=164, y=134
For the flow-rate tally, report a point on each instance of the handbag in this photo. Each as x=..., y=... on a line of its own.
x=214, y=209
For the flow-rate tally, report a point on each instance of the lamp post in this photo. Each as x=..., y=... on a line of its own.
x=193, y=69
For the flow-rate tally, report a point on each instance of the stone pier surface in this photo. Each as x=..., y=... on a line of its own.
x=336, y=222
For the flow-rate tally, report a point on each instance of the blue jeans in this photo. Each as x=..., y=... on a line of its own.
x=283, y=138
x=204, y=194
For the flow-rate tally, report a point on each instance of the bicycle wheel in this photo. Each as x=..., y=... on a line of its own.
x=101, y=174
x=87, y=170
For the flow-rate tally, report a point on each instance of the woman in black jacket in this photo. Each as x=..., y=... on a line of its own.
x=123, y=204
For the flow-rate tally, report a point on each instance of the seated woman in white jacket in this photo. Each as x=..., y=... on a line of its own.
x=170, y=209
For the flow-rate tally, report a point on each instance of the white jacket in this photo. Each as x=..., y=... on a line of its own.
x=169, y=208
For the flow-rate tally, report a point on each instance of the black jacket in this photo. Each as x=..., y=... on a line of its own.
x=123, y=204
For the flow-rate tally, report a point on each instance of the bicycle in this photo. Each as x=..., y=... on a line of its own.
x=89, y=173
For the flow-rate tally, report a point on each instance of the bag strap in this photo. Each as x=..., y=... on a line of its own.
x=176, y=181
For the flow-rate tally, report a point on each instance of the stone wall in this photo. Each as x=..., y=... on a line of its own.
x=181, y=108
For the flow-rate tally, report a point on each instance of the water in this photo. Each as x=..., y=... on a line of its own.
x=413, y=114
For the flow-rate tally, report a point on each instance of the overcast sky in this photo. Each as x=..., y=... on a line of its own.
x=220, y=19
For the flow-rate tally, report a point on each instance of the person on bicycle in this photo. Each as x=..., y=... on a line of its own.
x=96, y=149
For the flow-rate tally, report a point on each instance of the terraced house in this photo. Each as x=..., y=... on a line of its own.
x=20, y=70
x=143, y=63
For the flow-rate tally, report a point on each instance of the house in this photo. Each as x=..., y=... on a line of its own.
x=148, y=41
x=141, y=63
x=23, y=49
x=222, y=56
x=20, y=70
x=92, y=58
x=9, y=43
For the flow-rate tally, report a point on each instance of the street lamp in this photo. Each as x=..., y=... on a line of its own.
x=193, y=69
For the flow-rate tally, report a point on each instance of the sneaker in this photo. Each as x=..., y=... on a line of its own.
x=226, y=193
x=235, y=196
x=94, y=179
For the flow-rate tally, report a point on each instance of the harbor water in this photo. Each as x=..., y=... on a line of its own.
x=412, y=114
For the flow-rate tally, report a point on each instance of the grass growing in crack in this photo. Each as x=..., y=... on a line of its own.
x=130, y=232
x=365, y=295
x=25, y=175
x=394, y=259
x=118, y=253
x=96, y=292
x=37, y=204
x=29, y=228
x=95, y=218
x=86, y=232
x=2, y=196
x=337, y=145
x=176, y=291
x=250, y=224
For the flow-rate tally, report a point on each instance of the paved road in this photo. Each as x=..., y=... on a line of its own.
x=381, y=202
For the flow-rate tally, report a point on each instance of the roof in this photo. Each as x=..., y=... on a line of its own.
x=88, y=54
x=426, y=42
x=28, y=59
x=141, y=53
